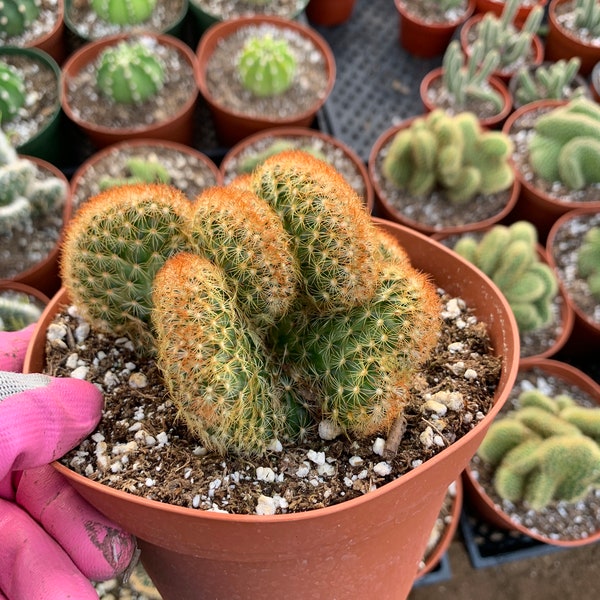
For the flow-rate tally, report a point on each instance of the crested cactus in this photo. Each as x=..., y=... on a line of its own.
x=588, y=261
x=587, y=16
x=565, y=146
x=17, y=310
x=450, y=153
x=467, y=78
x=17, y=15
x=12, y=92
x=141, y=170
x=124, y=12
x=508, y=255
x=541, y=454
x=266, y=65
x=129, y=73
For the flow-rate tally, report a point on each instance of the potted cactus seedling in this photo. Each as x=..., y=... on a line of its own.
x=537, y=469
x=20, y=305
x=443, y=173
x=329, y=13
x=144, y=85
x=273, y=324
x=261, y=72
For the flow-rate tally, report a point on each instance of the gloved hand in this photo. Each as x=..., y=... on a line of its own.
x=51, y=541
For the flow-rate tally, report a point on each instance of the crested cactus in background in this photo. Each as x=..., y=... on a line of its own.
x=541, y=454
x=588, y=261
x=12, y=92
x=17, y=15
x=266, y=65
x=129, y=73
x=124, y=12
x=565, y=145
x=141, y=170
x=451, y=153
x=509, y=257
x=17, y=310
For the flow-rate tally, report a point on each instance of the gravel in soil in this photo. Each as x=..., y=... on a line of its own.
x=141, y=447
x=229, y=9
x=432, y=11
x=566, y=15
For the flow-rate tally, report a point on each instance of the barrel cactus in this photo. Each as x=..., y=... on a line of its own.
x=266, y=65
x=124, y=12
x=12, y=92
x=129, y=73
x=588, y=261
x=17, y=15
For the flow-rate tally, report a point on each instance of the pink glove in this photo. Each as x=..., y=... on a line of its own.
x=51, y=541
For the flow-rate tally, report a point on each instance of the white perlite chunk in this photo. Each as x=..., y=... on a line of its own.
x=453, y=400
x=379, y=446
x=434, y=407
x=303, y=471
x=426, y=437
x=267, y=505
x=81, y=332
x=328, y=430
x=456, y=347
x=382, y=468
x=275, y=446
x=265, y=474
x=80, y=372
x=355, y=461
x=317, y=457
x=470, y=374
x=138, y=381
x=453, y=309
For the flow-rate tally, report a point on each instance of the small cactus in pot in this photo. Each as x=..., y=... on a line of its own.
x=17, y=15
x=12, y=92
x=124, y=12
x=588, y=261
x=18, y=310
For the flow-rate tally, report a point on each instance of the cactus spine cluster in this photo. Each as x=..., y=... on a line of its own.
x=588, y=261
x=257, y=296
x=12, y=92
x=17, y=311
x=587, y=16
x=129, y=73
x=509, y=257
x=141, y=170
x=451, y=153
x=565, y=146
x=17, y=15
x=266, y=65
x=124, y=12
x=23, y=193
x=546, y=450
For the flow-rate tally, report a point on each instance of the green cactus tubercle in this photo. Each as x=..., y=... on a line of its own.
x=124, y=12
x=129, y=73
x=587, y=16
x=508, y=255
x=17, y=15
x=452, y=153
x=142, y=170
x=17, y=310
x=266, y=65
x=588, y=260
x=12, y=92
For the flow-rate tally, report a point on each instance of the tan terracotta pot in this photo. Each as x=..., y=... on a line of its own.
x=485, y=506
x=367, y=547
x=232, y=125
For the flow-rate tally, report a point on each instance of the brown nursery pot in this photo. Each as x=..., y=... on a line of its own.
x=387, y=210
x=423, y=39
x=176, y=128
x=534, y=204
x=497, y=84
x=54, y=41
x=226, y=166
x=497, y=6
x=329, y=12
x=482, y=503
x=367, y=547
x=234, y=125
x=562, y=43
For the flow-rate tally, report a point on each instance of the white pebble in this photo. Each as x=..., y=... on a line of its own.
x=265, y=506
x=355, y=461
x=470, y=374
x=328, y=430
x=435, y=407
x=452, y=309
x=138, y=381
x=275, y=446
x=303, y=470
x=426, y=437
x=110, y=380
x=453, y=400
x=326, y=470
x=317, y=457
x=72, y=360
x=265, y=474
x=162, y=438
x=150, y=482
x=382, y=468
x=80, y=372
x=56, y=332
x=196, y=501
x=456, y=347
x=379, y=446
x=98, y=437
x=81, y=332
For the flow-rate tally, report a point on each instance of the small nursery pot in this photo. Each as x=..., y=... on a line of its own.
x=329, y=12
x=497, y=6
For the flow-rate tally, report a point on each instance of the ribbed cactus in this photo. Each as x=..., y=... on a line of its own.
x=12, y=92
x=251, y=161
x=17, y=310
x=141, y=170
x=467, y=78
x=539, y=452
x=587, y=16
x=588, y=260
x=124, y=12
x=129, y=73
x=114, y=247
x=451, y=153
x=498, y=33
x=17, y=15
x=554, y=81
x=565, y=146
x=508, y=255
x=266, y=65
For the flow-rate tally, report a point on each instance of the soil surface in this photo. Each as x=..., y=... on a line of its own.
x=431, y=11
x=229, y=9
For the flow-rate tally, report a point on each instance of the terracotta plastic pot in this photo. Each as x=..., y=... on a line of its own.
x=387, y=210
x=329, y=12
x=233, y=125
x=485, y=506
x=367, y=547
x=228, y=172
x=497, y=6
x=423, y=39
x=562, y=43
x=176, y=128
x=22, y=288
x=497, y=84
x=585, y=337
x=534, y=204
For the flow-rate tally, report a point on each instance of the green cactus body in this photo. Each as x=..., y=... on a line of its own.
x=587, y=420
x=17, y=15
x=129, y=73
x=588, y=261
x=12, y=92
x=540, y=400
x=115, y=245
x=510, y=477
x=505, y=435
x=587, y=16
x=266, y=65
x=17, y=311
x=331, y=234
x=124, y=12
x=213, y=365
x=142, y=171
x=243, y=235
